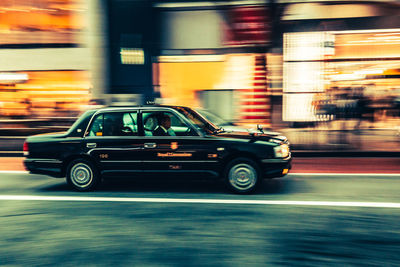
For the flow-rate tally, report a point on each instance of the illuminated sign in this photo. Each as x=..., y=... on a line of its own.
x=132, y=56
x=248, y=25
x=303, y=72
x=298, y=107
x=301, y=46
x=303, y=77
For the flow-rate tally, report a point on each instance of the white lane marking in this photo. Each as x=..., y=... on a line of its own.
x=203, y=201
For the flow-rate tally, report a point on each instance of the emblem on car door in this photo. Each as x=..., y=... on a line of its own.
x=174, y=145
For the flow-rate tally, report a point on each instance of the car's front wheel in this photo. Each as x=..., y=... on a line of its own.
x=82, y=175
x=242, y=175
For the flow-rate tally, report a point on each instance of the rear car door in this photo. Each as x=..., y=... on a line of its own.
x=113, y=140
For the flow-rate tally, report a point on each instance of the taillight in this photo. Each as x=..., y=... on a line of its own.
x=26, y=149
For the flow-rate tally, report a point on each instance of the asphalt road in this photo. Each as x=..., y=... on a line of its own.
x=342, y=220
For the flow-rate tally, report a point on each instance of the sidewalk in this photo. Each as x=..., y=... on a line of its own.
x=11, y=164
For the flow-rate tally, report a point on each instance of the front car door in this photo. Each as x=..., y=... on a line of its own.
x=181, y=148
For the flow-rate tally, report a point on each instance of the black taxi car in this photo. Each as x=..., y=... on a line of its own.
x=132, y=140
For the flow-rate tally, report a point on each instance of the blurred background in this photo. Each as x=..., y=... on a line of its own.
x=324, y=73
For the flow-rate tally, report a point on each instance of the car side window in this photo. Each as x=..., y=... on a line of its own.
x=130, y=123
x=96, y=129
x=114, y=124
x=156, y=123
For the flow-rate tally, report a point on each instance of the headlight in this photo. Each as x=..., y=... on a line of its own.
x=281, y=151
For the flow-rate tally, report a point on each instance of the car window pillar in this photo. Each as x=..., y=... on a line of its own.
x=140, y=123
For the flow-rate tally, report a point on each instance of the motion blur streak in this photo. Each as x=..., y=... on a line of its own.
x=206, y=201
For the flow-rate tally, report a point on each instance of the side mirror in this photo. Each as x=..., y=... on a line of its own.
x=260, y=128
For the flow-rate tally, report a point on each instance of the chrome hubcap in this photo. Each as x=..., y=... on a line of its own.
x=242, y=176
x=81, y=174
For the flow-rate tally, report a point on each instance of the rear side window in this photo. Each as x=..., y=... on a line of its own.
x=114, y=124
x=96, y=129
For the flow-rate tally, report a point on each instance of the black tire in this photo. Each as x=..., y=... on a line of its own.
x=242, y=176
x=82, y=175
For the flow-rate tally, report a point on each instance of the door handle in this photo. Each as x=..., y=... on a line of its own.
x=150, y=145
x=91, y=145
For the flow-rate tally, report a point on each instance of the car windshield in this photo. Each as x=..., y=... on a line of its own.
x=216, y=120
x=198, y=120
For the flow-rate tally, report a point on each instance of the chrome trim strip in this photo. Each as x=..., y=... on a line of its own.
x=172, y=137
x=121, y=161
x=285, y=160
x=140, y=137
x=44, y=160
x=159, y=171
x=114, y=149
x=182, y=171
x=180, y=161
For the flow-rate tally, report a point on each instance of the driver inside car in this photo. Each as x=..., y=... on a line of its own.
x=164, y=126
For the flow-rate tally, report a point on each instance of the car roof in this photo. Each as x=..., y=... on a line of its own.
x=117, y=108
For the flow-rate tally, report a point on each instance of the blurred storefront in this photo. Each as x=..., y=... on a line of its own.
x=48, y=94
x=214, y=56
x=255, y=61
x=44, y=64
x=341, y=61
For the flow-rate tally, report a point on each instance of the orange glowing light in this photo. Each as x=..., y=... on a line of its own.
x=174, y=145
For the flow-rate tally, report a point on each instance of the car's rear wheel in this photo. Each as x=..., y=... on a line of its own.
x=242, y=175
x=82, y=175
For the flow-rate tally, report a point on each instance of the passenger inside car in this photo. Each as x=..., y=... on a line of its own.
x=150, y=123
x=114, y=124
x=164, y=126
x=153, y=120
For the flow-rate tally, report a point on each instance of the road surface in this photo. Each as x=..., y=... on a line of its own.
x=305, y=219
